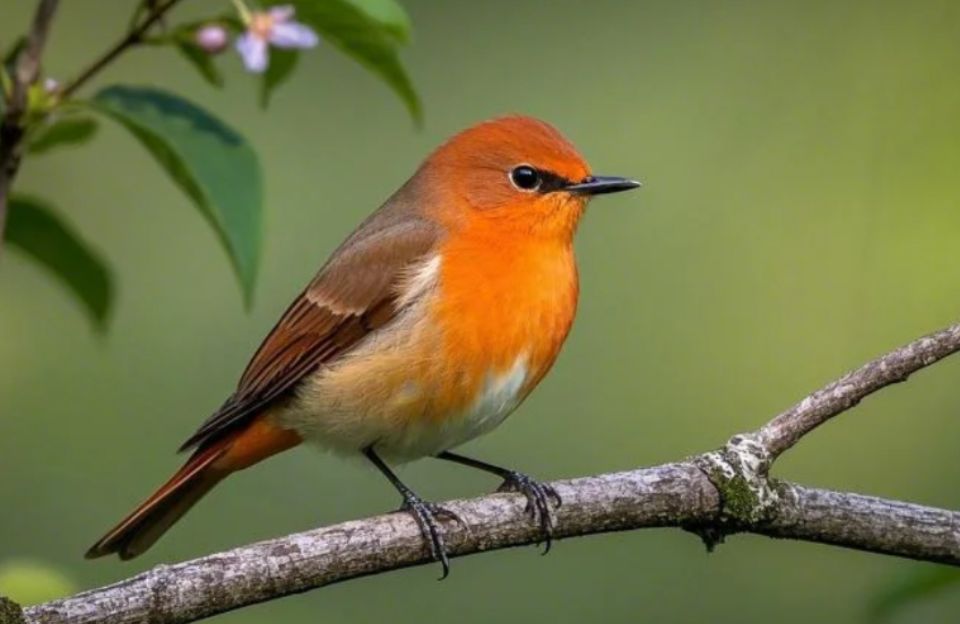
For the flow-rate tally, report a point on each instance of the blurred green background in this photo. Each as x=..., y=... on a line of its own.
x=800, y=215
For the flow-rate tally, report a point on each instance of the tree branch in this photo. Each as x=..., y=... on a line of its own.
x=790, y=426
x=714, y=494
x=156, y=12
x=24, y=76
x=867, y=523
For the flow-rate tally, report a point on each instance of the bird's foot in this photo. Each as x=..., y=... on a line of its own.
x=539, y=496
x=428, y=517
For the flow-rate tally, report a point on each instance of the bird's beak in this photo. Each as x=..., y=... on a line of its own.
x=601, y=185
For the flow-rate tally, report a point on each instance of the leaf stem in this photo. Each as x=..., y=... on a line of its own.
x=243, y=11
x=132, y=38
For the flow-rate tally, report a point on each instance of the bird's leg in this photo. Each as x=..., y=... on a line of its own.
x=425, y=513
x=539, y=495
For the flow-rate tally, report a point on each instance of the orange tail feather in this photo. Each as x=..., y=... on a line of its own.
x=208, y=466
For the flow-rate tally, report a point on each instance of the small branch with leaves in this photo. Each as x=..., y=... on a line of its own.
x=138, y=30
x=714, y=495
x=26, y=69
x=40, y=115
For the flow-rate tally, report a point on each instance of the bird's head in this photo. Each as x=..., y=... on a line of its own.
x=514, y=172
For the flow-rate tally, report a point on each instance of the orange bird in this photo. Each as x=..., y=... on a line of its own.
x=426, y=328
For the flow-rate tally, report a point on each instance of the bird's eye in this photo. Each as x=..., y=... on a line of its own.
x=525, y=178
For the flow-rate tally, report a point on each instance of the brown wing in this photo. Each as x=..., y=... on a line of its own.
x=354, y=294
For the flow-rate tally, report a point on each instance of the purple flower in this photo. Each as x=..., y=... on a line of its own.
x=275, y=27
x=212, y=38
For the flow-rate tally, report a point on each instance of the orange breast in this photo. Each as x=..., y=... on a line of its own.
x=502, y=295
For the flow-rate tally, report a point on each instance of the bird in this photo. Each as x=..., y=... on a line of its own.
x=425, y=328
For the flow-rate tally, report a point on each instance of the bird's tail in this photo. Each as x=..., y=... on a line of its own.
x=209, y=465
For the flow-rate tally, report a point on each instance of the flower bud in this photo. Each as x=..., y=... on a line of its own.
x=212, y=38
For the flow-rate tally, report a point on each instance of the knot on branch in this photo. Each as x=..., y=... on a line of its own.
x=10, y=612
x=740, y=471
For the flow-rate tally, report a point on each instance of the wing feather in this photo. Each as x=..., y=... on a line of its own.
x=355, y=294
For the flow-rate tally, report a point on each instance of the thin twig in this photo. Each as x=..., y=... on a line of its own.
x=132, y=38
x=790, y=426
x=713, y=495
x=24, y=76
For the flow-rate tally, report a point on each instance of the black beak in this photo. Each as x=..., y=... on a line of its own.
x=601, y=185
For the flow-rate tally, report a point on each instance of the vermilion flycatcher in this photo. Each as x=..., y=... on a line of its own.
x=427, y=327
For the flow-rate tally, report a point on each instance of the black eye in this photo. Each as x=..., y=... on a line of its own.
x=525, y=178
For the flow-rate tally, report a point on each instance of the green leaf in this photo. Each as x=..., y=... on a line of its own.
x=388, y=13
x=201, y=61
x=64, y=132
x=207, y=159
x=38, y=231
x=30, y=582
x=282, y=64
x=371, y=32
x=915, y=588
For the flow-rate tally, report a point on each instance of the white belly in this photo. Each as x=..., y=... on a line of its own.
x=500, y=394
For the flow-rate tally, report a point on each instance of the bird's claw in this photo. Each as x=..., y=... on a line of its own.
x=539, y=496
x=428, y=516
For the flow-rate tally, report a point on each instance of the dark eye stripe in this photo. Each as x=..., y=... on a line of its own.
x=552, y=182
x=531, y=179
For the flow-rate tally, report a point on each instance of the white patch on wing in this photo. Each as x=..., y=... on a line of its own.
x=419, y=281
